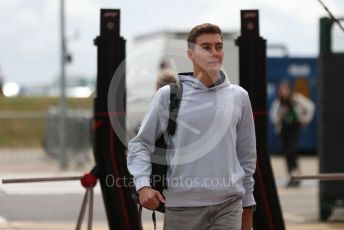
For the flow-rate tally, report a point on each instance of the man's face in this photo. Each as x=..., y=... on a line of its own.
x=207, y=53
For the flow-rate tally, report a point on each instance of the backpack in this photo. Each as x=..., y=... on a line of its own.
x=158, y=175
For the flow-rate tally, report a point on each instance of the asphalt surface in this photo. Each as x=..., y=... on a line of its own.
x=56, y=205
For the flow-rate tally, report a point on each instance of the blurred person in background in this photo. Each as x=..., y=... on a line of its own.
x=290, y=112
x=165, y=76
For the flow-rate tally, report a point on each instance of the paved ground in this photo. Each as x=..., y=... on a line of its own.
x=299, y=205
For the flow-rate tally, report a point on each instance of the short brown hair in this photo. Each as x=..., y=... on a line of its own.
x=198, y=30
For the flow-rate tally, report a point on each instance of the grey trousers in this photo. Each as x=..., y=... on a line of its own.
x=227, y=216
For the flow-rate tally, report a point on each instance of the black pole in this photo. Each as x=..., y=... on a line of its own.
x=252, y=67
x=109, y=150
x=330, y=129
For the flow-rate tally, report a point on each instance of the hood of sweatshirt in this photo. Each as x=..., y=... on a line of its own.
x=190, y=80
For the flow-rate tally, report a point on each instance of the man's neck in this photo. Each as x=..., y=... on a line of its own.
x=208, y=79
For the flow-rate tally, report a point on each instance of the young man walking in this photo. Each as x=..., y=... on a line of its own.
x=212, y=155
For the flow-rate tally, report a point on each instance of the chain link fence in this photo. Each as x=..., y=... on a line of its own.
x=31, y=139
x=78, y=135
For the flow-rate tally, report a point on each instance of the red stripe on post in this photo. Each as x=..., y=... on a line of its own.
x=117, y=174
x=264, y=197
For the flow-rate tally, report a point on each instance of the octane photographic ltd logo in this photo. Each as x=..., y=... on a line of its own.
x=141, y=66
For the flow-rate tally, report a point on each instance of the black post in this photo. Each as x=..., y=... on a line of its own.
x=330, y=123
x=325, y=35
x=252, y=67
x=109, y=151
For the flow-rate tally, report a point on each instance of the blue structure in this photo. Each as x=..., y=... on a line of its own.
x=302, y=74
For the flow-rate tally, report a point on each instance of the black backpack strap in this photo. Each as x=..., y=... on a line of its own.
x=175, y=99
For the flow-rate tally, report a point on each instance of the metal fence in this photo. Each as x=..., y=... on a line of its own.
x=78, y=133
x=78, y=136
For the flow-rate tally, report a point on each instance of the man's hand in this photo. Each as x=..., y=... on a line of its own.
x=150, y=198
x=247, y=219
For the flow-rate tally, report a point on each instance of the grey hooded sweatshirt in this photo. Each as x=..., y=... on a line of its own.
x=212, y=155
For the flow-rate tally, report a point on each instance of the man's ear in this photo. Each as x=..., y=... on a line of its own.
x=190, y=54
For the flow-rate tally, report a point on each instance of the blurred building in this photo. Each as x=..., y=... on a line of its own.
x=76, y=86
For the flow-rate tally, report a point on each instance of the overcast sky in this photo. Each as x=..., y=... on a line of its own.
x=29, y=29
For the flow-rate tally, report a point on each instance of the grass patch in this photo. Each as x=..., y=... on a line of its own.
x=30, y=132
x=41, y=103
